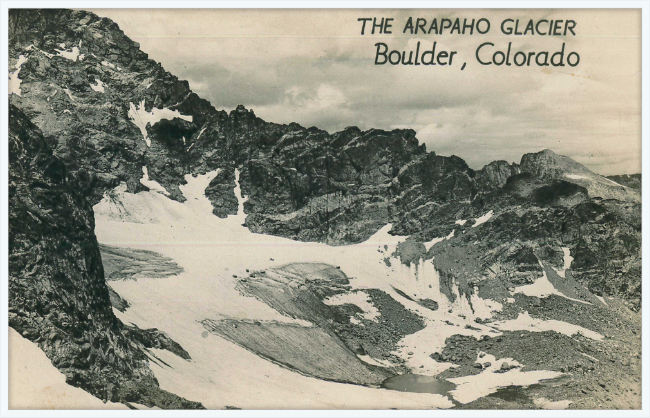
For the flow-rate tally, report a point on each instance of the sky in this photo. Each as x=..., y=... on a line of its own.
x=315, y=67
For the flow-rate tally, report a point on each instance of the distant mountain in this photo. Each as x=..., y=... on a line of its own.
x=549, y=166
x=633, y=181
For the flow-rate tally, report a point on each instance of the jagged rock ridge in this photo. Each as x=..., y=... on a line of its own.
x=302, y=183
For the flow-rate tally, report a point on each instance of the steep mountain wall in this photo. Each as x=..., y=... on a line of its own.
x=58, y=297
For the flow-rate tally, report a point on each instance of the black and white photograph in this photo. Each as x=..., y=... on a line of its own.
x=323, y=208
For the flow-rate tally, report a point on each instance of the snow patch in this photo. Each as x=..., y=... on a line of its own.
x=422, y=281
x=14, y=81
x=615, y=183
x=69, y=93
x=542, y=288
x=483, y=219
x=194, y=191
x=71, y=55
x=471, y=388
x=374, y=361
x=590, y=357
x=151, y=184
x=576, y=177
x=525, y=322
x=153, y=207
x=359, y=298
x=461, y=222
x=382, y=237
x=241, y=216
x=567, y=262
x=98, y=86
x=483, y=308
x=434, y=241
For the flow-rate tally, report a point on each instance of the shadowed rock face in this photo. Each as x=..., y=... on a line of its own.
x=495, y=175
x=57, y=294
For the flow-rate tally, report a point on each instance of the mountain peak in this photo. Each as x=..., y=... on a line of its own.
x=547, y=165
x=547, y=152
x=548, y=159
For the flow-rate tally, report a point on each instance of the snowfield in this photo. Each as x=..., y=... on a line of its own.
x=215, y=252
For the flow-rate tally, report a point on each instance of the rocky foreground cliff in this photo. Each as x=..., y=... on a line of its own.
x=91, y=112
x=58, y=297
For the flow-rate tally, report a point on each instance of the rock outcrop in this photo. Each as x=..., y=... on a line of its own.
x=549, y=166
x=58, y=297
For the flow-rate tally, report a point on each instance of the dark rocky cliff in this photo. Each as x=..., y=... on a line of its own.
x=58, y=297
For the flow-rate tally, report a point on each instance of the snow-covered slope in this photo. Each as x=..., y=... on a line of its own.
x=215, y=253
x=34, y=383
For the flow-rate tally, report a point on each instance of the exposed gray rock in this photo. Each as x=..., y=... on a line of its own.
x=57, y=294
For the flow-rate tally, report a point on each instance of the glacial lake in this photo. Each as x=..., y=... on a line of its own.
x=418, y=384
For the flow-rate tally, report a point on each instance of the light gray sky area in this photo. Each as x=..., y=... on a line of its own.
x=314, y=67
